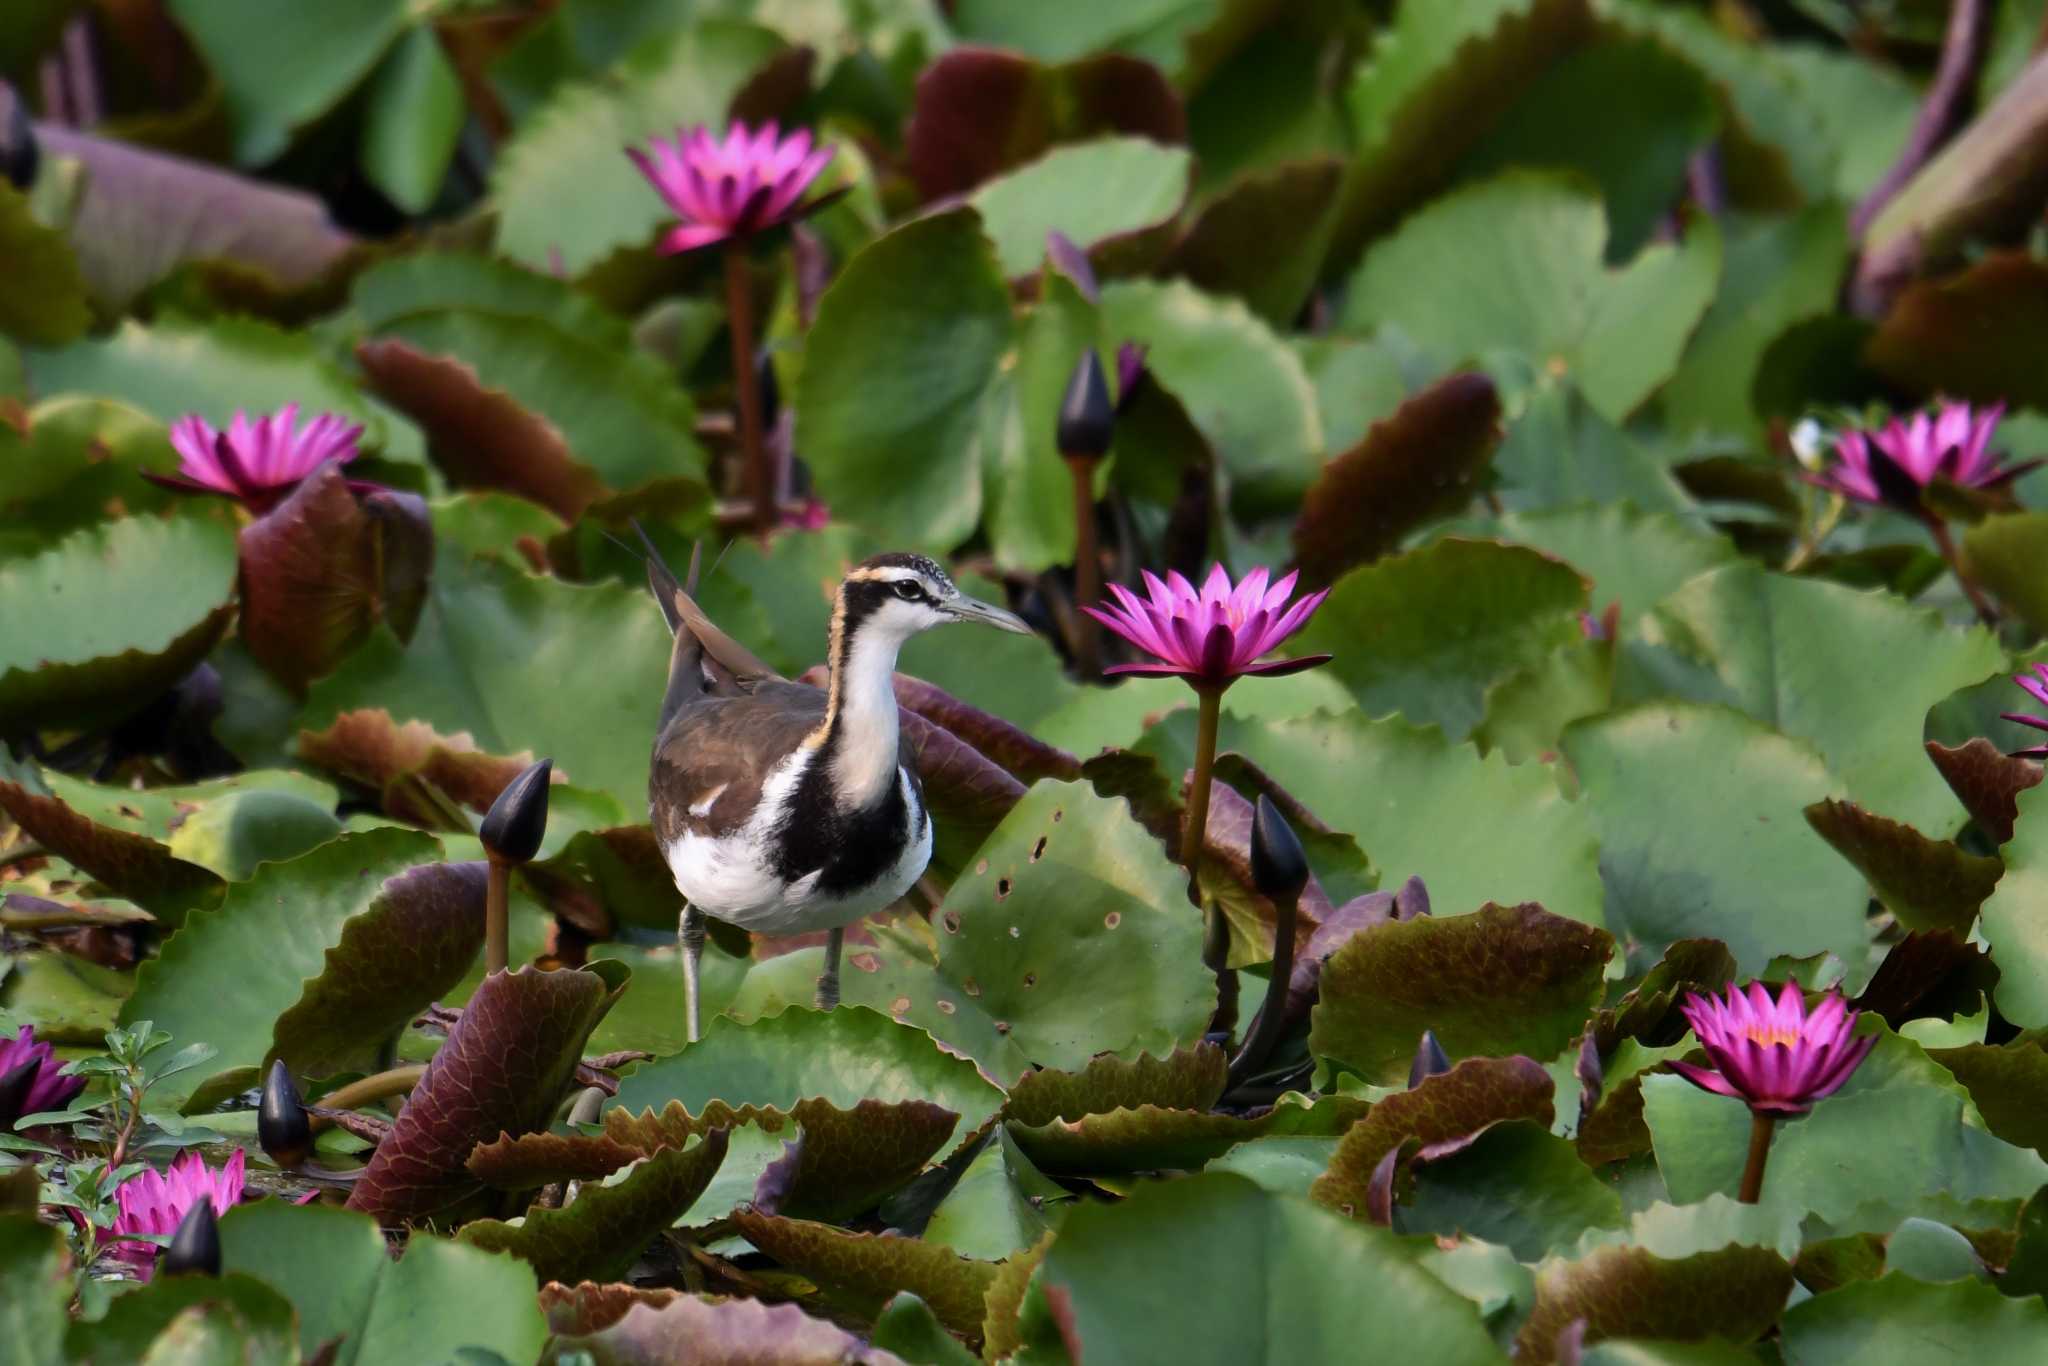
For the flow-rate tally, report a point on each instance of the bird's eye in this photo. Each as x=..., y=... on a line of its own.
x=908, y=590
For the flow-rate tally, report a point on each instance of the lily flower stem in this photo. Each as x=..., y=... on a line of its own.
x=1216, y=934
x=1266, y=1028
x=1946, y=544
x=739, y=321
x=497, y=916
x=1087, y=568
x=1760, y=1126
x=375, y=1087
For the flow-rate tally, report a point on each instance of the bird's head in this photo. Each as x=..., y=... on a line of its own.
x=897, y=595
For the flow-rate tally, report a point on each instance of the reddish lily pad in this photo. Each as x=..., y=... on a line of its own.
x=393, y=758
x=1508, y=979
x=588, y=1307
x=324, y=567
x=871, y=1267
x=1263, y=237
x=1026, y=757
x=1140, y=1138
x=707, y=1332
x=1987, y=781
x=1444, y=1113
x=129, y=865
x=603, y=1230
x=1649, y=1012
x=1422, y=461
x=482, y=437
x=1970, y=335
x=982, y=111
x=1928, y=884
x=842, y=1162
x=531, y=1161
x=502, y=1071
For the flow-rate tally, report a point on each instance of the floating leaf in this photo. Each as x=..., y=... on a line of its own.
x=1185, y=1079
x=502, y=1071
x=1556, y=306
x=1731, y=1292
x=107, y=618
x=1685, y=860
x=1201, y=1248
x=47, y=303
x=1263, y=237
x=349, y=1290
x=981, y=111
x=395, y=760
x=1507, y=979
x=1928, y=884
x=601, y=1233
x=1427, y=632
x=719, y=1333
x=343, y=942
x=1421, y=462
x=2002, y=553
x=874, y=1266
x=187, y=1313
x=1986, y=781
x=2008, y=1085
x=1517, y=1185
x=1968, y=335
x=1895, y=1320
x=1442, y=1114
x=1062, y=191
x=2019, y=940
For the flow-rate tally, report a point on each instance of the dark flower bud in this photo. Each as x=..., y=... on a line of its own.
x=19, y=155
x=15, y=1085
x=282, y=1126
x=1279, y=869
x=1430, y=1060
x=195, y=1247
x=1086, y=415
x=517, y=820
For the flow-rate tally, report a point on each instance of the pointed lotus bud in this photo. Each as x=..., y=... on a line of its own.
x=1086, y=416
x=1430, y=1059
x=195, y=1247
x=19, y=155
x=517, y=820
x=282, y=1125
x=1279, y=869
x=14, y=1088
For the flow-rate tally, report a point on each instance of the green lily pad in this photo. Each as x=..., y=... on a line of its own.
x=191, y=1314
x=1790, y=651
x=1896, y=1320
x=35, y=1270
x=1632, y=557
x=2008, y=1084
x=327, y=941
x=1185, y=1079
x=107, y=618
x=1507, y=979
x=1165, y=1275
x=76, y=457
x=1555, y=305
x=1730, y=1292
x=1899, y=1139
x=1264, y=235
x=1561, y=451
x=1686, y=860
x=1062, y=190
x=349, y=1290
x=1427, y=632
x=1517, y=1185
x=47, y=305
x=2002, y=553
x=873, y=1267
x=2019, y=944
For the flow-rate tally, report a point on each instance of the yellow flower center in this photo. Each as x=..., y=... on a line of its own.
x=1766, y=1037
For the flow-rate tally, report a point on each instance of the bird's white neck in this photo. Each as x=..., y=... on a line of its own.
x=860, y=719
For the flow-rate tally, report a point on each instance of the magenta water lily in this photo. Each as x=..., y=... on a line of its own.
x=746, y=183
x=1214, y=635
x=2035, y=682
x=31, y=1080
x=1774, y=1056
x=154, y=1202
x=259, y=460
x=1952, y=443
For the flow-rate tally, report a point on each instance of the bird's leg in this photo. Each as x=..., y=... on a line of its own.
x=691, y=936
x=828, y=980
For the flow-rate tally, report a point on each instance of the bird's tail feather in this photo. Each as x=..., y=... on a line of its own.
x=705, y=659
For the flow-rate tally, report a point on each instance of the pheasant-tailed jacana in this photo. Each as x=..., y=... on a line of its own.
x=784, y=808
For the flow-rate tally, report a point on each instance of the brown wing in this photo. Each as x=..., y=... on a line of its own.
x=710, y=763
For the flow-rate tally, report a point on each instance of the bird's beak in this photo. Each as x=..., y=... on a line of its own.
x=973, y=609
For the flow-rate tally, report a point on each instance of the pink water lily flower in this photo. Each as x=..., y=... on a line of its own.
x=257, y=461
x=746, y=184
x=39, y=1088
x=2036, y=686
x=1772, y=1055
x=1213, y=636
x=156, y=1202
x=1953, y=443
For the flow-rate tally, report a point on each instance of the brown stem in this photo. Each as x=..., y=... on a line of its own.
x=1947, y=545
x=1087, y=568
x=377, y=1086
x=1760, y=1125
x=739, y=321
x=497, y=916
x=1215, y=931
x=1943, y=112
